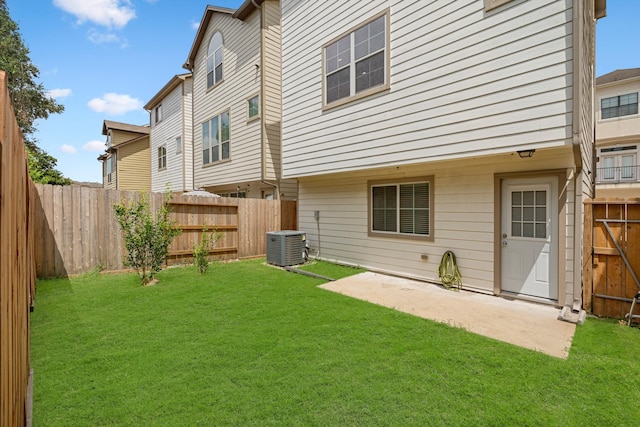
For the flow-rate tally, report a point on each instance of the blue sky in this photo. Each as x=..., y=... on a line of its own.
x=104, y=59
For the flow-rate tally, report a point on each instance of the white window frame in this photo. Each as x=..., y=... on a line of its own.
x=215, y=59
x=162, y=157
x=257, y=113
x=353, y=95
x=158, y=113
x=178, y=144
x=429, y=180
x=207, y=140
x=618, y=172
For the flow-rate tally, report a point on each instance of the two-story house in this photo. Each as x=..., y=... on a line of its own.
x=414, y=128
x=618, y=134
x=171, y=135
x=125, y=163
x=235, y=62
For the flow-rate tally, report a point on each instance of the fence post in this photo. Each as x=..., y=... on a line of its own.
x=587, y=257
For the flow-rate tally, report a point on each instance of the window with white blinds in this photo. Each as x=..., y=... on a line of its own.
x=402, y=208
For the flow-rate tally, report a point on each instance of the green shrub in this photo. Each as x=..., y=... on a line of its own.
x=147, y=237
x=201, y=250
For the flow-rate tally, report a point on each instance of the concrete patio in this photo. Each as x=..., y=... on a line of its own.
x=525, y=324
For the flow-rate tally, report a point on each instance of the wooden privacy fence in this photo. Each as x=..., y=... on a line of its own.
x=78, y=231
x=611, y=255
x=17, y=272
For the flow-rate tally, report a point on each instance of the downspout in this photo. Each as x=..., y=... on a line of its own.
x=182, y=140
x=579, y=41
x=190, y=67
x=576, y=304
x=263, y=115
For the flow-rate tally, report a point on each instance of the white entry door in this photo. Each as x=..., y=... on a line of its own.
x=529, y=238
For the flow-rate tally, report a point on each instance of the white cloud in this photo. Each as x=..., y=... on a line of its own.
x=97, y=146
x=195, y=25
x=99, y=38
x=69, y=149
x=59, y=93
x=108, y=13
x=115, y=103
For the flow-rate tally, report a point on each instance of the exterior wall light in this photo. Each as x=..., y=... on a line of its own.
x=526, y=153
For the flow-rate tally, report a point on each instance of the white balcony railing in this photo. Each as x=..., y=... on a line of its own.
x=615, y=175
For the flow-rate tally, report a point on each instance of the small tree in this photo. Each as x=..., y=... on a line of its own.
x=146, y=237
x=201, y=250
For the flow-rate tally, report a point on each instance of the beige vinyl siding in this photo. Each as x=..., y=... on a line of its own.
x=165, y=133
x=289, y=189
x=134, y=171
x=463, y=216
x=120, y=136
x=586, y=111
x=113, y=185
x=272, y=90
x=507, y=90
x=241, y=80
x=585, y=64
x=617, y=129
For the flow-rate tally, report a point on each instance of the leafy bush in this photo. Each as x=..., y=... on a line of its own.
x=147, y=237
x=201, y=250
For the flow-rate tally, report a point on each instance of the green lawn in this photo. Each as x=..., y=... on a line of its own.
x=250, y=344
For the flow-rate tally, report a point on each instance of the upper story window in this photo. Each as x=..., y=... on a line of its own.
x=178, y=145
x=215, y=139
x=109, y=139
x=111, y=166
x=622, y=105
x=158, y=113
x=214, y=60
x=253, y=108
x=357, y=63
x=401, y=208
x=162, y=157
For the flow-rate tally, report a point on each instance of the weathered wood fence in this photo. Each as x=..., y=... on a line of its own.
x=78, y=232
x=611, y=256
x=17, y=272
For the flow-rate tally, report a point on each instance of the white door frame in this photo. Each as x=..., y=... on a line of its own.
x=560, y=176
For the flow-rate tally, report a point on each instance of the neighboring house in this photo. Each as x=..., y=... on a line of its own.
x=172, y=135
x=125, y=163
x=415, y=128
x=618, y=134
x=235, y=62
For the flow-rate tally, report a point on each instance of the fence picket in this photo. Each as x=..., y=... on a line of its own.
x=85, y=232
x=609, y=285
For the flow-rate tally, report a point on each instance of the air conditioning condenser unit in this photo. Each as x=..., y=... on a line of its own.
x=286, y=247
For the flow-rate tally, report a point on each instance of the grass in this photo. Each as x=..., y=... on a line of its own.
x=250, y=344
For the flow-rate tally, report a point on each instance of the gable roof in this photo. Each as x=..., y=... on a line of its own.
x=243, y=12
x=202, y=29
x=108, y=124
x=172, y=84
x=617, y=75
x=247, y=8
